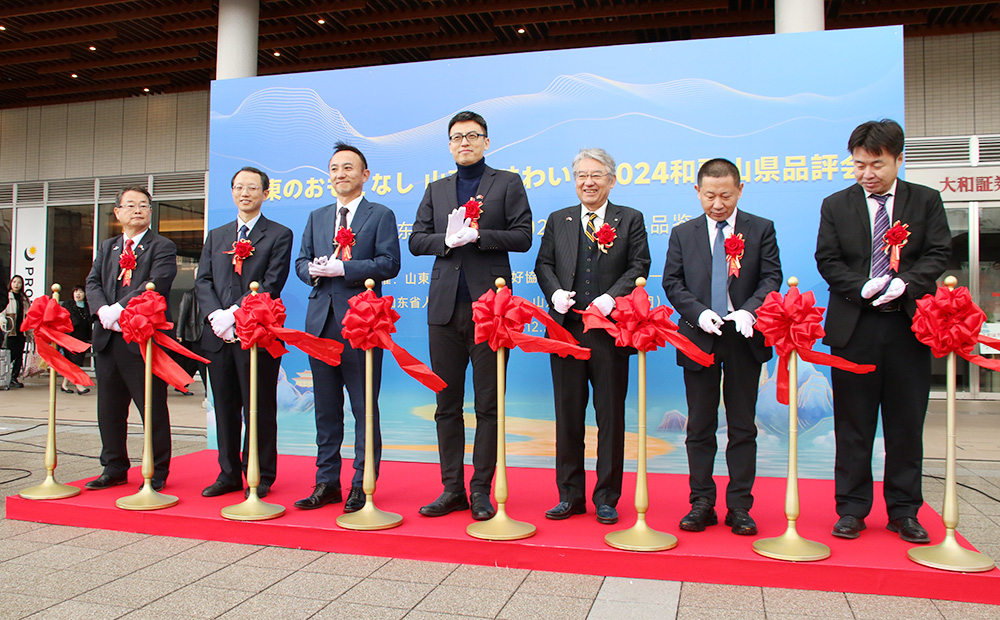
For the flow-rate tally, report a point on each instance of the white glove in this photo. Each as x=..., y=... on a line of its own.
x=896, y=288
x=744, y=322
x=710, y=322
x=874, y=286
x=605, y=303
x=456, y=220
x=223, y=322
x=322, y=267
x=562, y=301
x=109, y=316
x=464, y=236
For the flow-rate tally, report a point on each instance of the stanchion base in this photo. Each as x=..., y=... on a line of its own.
x=641, y=537
x=369, y=518
x=949, y=555
x=50, y=489
x=252, y=509
x=146, y=499
x=500, y=527
x=791, y=547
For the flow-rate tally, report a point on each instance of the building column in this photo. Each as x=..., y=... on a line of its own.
x=237, y=46
x=798, y=16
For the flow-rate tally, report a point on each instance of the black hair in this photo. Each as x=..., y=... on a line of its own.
x=878, y=136
x=468, y=115
x=265, y=183
x=717, y=168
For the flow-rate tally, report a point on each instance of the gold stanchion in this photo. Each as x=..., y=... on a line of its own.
x=369, y=517
x=253, y=508
x=147, y=498
x=500, y=526
x=948, y=554
x=641, y=537
x=50, y=489
x=791, y=545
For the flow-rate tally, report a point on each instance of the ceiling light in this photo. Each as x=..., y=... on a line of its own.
x=320, y=21
x=145, y=90
x=3, y=27
x=520, y=31
x=277, y=53
x=92, y=48
x=73, y=75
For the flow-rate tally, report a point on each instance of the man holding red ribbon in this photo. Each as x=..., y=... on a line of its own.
x=337, y=272
x=876, y=272
x=122, y=267
x=250, y=248
x=577, y=269
x=719, y=269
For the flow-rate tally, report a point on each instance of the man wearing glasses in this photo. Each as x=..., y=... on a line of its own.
x=469, y=221
x=119, y=366
x=223, y=281
x=581, y=266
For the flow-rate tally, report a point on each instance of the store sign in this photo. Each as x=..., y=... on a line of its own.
x=29, y=249
x=960, y=184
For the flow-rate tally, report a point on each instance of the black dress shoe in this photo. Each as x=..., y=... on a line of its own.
x=355, y=500
x=446, y=503
x=66, y=390
x=262, y=491
x=909, y=530
x=740, y=520
x=848, y=526
x=565, y=510
x=482, y=507
x=322, y=495
x=607, y=514
x=701, y=516
x=105, y=481
x=220, y=487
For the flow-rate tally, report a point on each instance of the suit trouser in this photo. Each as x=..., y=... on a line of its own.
x=900, y=387
x=230, y=377
x=121, y=377
x=328, y=388
x=607, y=371
x=735, y=360
x=452, y=347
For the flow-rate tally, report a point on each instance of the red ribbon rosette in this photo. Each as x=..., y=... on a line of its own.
x=260, y=321
x=473, y=209
x=895, y=238
x=949, y=322
x=127, y=262
x=500, y=317
x=344, y=240
x=605, y=237
x=241, y=251
x=369, y=323
x=145, y=317
x=734, y=253
x=643, y=329
x=52, y=326
x=793, y=323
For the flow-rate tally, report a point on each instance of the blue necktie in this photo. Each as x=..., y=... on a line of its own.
x=244, y=232
x=720, y=274
x=880, y=259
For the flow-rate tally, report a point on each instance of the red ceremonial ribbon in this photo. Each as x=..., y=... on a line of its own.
x=127, y=262
x=260, y=320
x=643, y=329
x=605, y=237
x=369, y=323
x=792, y=323
x=949, y=322
x=52, y=326
x=241, y=251
x=734, y=253
x=473, y=209
x=895, y=238
x=145, y=317
x=500, y=318
x=344, y=240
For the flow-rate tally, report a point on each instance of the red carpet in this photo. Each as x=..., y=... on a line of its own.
x=876, y=563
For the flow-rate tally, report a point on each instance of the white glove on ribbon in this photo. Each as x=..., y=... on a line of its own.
x=456, y=221
x=605, y=303
x=223, y=323
x=744, y=322
x=896, y=288
x=109, y=316
x=464, y=236
x=710, y=322
x=323, y=267
x=562, y=301
x=874, y=286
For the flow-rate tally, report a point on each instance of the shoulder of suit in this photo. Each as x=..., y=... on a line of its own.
x=625, y=210
x=845, y=193
x=510, y=177
x=376, y=206
x=916, y=189
x=755, y=218
x=691, y=223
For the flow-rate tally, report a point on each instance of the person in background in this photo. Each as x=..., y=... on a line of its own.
x=189, y=332
x=15, y=339
x=82, y=329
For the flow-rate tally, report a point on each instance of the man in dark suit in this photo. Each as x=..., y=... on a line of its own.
x=869, y=322
x=337, y=276
x=220, y=291
x=717, y=311
x=119, y=366
x=471, y=255
x=576, y=271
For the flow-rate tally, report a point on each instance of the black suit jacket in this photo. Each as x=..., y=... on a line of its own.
x=155, y=261
x=687, y=277
x=844, y=251
x=504, y=226
x=219, y=286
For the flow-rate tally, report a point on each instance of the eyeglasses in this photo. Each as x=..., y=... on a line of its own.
x=252, y=189
x=134, y=207
x=472, y=137
x=597, y=176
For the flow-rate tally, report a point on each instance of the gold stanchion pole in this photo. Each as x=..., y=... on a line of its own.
x=50, y=489
x=369, y=517
x=147, y=498
x=641, y=537
x=791, y=546
x=500, y=526
x=948, y=554
x=253, y=508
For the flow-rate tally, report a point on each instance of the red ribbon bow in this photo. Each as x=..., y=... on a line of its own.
x=145, y=317
x=260, y=320
x=638, y=327
x=242, y=250
x=344, y=240
x=369, y=323
x=792, y=323
x=474, y=209
x=734, y=253
x=500, y=318
x=52, y=326
x=949, y=322
x=127, y=262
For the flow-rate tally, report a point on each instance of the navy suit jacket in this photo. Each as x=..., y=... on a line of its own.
x=375, y=254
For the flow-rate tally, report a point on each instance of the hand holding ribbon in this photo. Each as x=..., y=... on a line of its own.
x=500, y=318
x=145, y=317
x=52, y=326
x=260, y=320
x=949, y=322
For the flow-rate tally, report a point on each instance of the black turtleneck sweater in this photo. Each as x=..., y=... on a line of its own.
x=467, y=184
